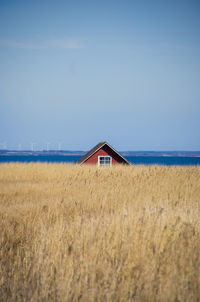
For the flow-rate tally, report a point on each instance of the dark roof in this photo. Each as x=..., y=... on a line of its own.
x=96, y=148
x=92, y=151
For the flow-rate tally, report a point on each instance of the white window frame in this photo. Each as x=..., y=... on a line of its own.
x=104, y=165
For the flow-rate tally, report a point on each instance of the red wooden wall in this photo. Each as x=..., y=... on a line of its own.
x=105, y=151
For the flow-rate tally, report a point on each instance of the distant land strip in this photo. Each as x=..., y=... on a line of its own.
x=81, y=153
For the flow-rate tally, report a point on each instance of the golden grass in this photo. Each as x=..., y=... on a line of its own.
x=79, y=233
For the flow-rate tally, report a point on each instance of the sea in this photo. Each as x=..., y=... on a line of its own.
x=135, y=160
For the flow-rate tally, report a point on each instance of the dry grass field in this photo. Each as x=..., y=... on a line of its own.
x=80, y=233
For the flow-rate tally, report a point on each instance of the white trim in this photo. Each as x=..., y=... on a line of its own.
x=111, y=148
x=93, y=153
x=117, y=152
x=104, y=156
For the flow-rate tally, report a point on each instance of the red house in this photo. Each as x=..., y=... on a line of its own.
x=103, y=155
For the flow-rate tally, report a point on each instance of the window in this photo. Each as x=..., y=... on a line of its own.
x=104, y=160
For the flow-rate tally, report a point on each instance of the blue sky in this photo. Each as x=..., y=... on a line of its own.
x=79, y=72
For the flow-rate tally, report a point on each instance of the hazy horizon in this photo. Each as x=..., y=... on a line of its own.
x=83, y=150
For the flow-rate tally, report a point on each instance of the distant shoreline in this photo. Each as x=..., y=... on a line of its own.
x=81, y=153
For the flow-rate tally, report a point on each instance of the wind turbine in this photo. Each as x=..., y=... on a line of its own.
x=59, y=146
x=32, y=144
x=4, y=145
x=19, y=147
x=47, y=146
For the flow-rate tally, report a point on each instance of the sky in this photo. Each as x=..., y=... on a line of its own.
x=73, y=73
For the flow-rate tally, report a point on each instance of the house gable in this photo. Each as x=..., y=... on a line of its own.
x=103, y=149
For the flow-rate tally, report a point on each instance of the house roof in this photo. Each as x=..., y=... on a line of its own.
x=95, y=149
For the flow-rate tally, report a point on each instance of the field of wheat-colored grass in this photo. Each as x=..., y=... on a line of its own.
x=82, y=233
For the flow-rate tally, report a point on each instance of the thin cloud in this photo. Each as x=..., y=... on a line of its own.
x=64, y=43
x=171, y=45
x=19, y=44
x=67, y=44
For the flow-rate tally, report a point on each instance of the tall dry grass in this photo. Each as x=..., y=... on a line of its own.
x=80, y=233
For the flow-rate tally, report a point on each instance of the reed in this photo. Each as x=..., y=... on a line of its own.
x=82, y=233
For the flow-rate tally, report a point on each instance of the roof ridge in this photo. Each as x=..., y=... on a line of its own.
x=95, y=149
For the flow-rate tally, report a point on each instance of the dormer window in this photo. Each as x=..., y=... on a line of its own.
x=104, y=160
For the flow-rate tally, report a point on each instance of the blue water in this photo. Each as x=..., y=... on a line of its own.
x=137, y=160
x=39, y=158
x=164, y=160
